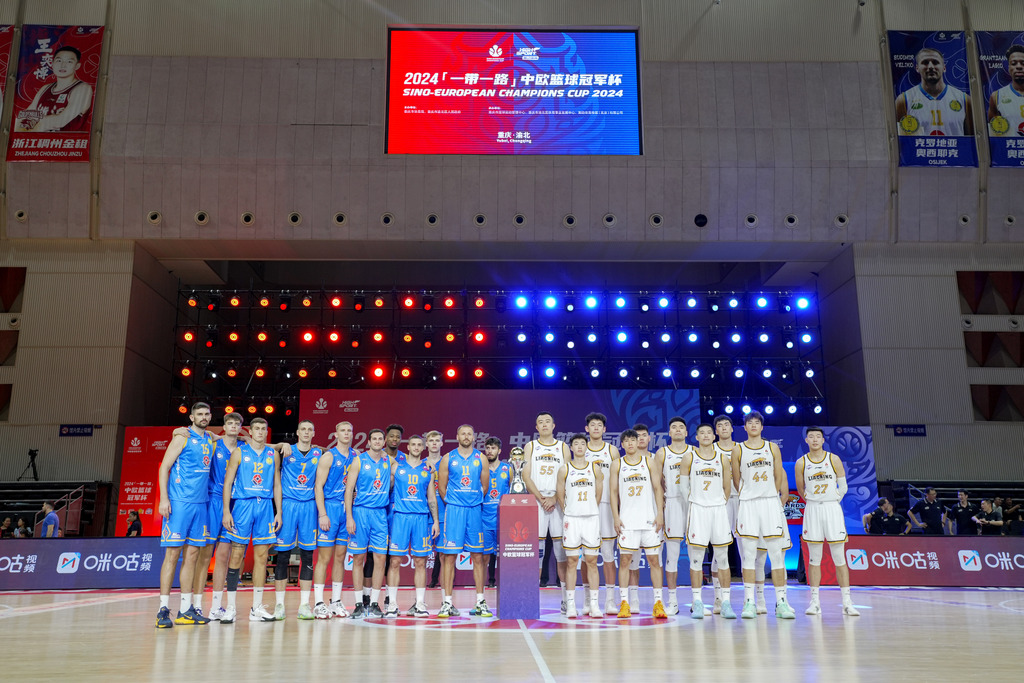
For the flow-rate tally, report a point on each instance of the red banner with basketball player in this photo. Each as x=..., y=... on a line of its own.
x=996, y=561
x=53, y=99
x=6, y=39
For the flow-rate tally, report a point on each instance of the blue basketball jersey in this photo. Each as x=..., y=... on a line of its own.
x=410, y=492
x=373, y=482
x=334, y=487
x=298, y=473
x=501, y=480
x=189, y=479
x=464, y=479
x=219, y=465
x=254, y=477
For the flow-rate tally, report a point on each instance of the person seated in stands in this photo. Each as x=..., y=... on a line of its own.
x=7, y=529
x=990, y=521
x=22, y=530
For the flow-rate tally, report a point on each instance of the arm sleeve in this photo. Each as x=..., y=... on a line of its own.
x=841, y=485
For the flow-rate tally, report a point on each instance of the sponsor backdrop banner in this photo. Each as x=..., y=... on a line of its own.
x=57, y=73
x=81, y=563
x=1002, y=77
x=486, y=91
x=935, y=561
x=932, y=98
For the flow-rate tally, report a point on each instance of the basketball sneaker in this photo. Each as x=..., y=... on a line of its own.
x=217, y=614
x=229, y=616
x=717, y=608
x=749, y=610
x=813, y=610
x=359, y=612
x=391, y=612
x=634, y=605
x=279, y=613
x=306, y=612
x=570, y=610
x=850, y=611
x=374, y=612
x=609, y=606
x=762, y=607
x=697, y=610
x=784, y=611
x=595, y=610
x=563, y=609
x=482, y=610
x=727, y=611
x=673, y=608
x=624, y=610
x=445, y=611
x=337, y=608
x=419, y=610
x=163, y=618
x=191, y=617
x=260, y=613
x=321, y=611
x=658, y=611
x=455, y=611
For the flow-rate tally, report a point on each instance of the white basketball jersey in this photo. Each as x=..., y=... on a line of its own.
x=636, y=494
x=820, y=480
x=580, y=491
x=603, y=458
x=942, y=115
x=545, y=461
x=757, y=472
x=1010, y=105
x=727, y=455
x=706, y=480
x=673, y=471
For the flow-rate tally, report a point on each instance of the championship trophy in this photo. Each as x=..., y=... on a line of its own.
x=516, y=460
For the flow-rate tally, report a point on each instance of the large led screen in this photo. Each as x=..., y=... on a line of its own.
x=493, y=91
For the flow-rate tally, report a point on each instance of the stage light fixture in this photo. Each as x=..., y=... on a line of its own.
x=406, y=373
x=307, y=300
x=357, y=339
x=408, y=301
x=623, y=372
x=450, y=336
x=334, y=336
x=234, y=336
x=479, y=302
x=212, y=337
x=186, y=370
x=620, y=302
x=792, y=409
x=332, y=371
x=666, y=372
x=591, y=302
x=692, y=337
x=284, y=336
x=407, y=337
x=285, y=302
x=260, y=372
x=763, y=337
x=716, y=339
x=251, y=409
x=644, y=303
x=232, y=371
x=521, y=337
x=735, y=337
x=809, y=372
x=183, y=408
x=521, y=301
x=549, y=372
x=213, y=303
x=308, y=336
x=769, y=409
x=479, y=337
x=358, y=302
x=265, y=301
x=377, y=372
x=428, y=340
x=621, y=337
x=228, y=409
x=695, y=372
x=785, y=303
x=738, y=372
x=592, y=337
x=262, y=335
x=729, y=409
x=570, y=340
x=666, y=337
x=283, y=371
x=193, y=300
x=745, y=409
x=691, y=302
x=595, y=372
x=478, y=372
x=663, y=302
x=378, y=336
x=449, y=302
x=523, y=371
x=645, y=341
x=450, y=372
x=549, y=336
x=733, y=302
x=806, y=337
x=713, y=304
x=378, y=301
x=235, y=300
x=189, y=335
x=303, y=372
x=269, y=409
x=802, y=303
x=550, y=301
x=428, y=302
x=570, y=303
x=761, y=302
x=766, y=373
x=817, y=409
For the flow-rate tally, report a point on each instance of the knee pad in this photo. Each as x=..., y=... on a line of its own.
x=306, y=568
x=721, y=559
x=233, y=575
x=608, y=550
x=696, y=559
x=776, y=554
x=838, y=551
x=749, y=554
x=814, y=552
x=281, y=568
x=634, y=562
x=559, y=550
x=672, y=556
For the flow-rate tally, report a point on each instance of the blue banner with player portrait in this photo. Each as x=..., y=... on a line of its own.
x=932, y=98
x=1001, y=54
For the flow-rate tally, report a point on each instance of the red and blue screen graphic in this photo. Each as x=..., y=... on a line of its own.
x=459, y=91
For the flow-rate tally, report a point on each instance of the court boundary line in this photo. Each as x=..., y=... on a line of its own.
x=545, y=672
x=29, y=610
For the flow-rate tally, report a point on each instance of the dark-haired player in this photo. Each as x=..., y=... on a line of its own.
x=1006, y=105
x=604, y=454
x=367, y=494
x=544, y=456
x=580, y=484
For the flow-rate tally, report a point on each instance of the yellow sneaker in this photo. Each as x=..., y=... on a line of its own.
x=624, y=610
x=659, y=610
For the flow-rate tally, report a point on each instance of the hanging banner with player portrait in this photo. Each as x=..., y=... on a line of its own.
x=932, y=98
x=1001, y=54
x=6, y=38
x=53, y=98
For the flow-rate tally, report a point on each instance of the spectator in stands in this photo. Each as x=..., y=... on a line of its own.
x=929, y=514
x=22, y=531
x=960, y=518
x=1011, y=517
x=886, y=520
x=990, y=521
x=50, y=527
x=134, y=524
x=7, y=529
x=997, y=504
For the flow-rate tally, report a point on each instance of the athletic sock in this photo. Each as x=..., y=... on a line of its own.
x=814, y=594
x=303, y=597
x=393, y=595
x=847, y=598
x=657, y=594
x=586, y=595
x=335, y=591
x=694, y=594
x=218, y=597
x=479, y=598
x=718, y=588
x=374, y=595
x=634, y=593
x=366, y=591
x=257, y=596
x=759, y=590
x=318, y=593
x=165, y=601
x=421, y=596
x=780, y=594
x=186, y=602
x=748, y=592
x=231, y=598
x=622, y=595
x=278, y=597
x=448, y=599
x=357, y=598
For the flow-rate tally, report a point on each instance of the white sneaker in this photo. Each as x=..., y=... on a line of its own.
x=814, y=609
x=850, y=611
x=672, y=608
x=595, y=610
x=419, y=610
x=229, y=616
x=321, y=611
x=563, y=609
x=611, y=606
x=391, y=612
x=762, y=608
x=260, y=613
x=634, y=607
x=217, y=614
x=717, y=609
x=279, y=613
x=337, y=608
x=570, y=610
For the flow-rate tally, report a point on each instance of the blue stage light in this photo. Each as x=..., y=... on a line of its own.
x=734, y=302
x=666, y=337
x=691, y=303
x=523, y=372
x=761, y=302
x=522, y=337
x=550, y=301
x=591, y=301
x=549, y=371
x=621, y=337
x=692, y=337
x=666, y=372
x=549, y=337
x=592, y=337
x=521, y=301
x=802, y=302
x=620, y=302
x=663, y=302
x=763, y=337
x=769, y=409
x=806, y=337
x=792, y=409
x=736, y=337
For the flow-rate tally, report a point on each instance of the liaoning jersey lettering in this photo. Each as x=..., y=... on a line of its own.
x=189, y=479
x=673, y=471
x=726, y=454
x=821, y=484
x=545, y=461
x=255, y=475
x=706, y=487
x=757, y=472
x=581, y=490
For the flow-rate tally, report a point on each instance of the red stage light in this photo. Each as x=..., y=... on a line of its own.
x=449, y=302
x=251, y=409
x=209, y=343
x=307, y=336
x=186, y=371
x=408, y=302
x=282, y=343
x=407, y=337
x=478, y=336
x=450, y=337
x=303, y=372
x=261, y=336
x=229, y=409
x=232, y=372
x=355, y=343
x=478, y=373
x=406, y=372
x=378, y=372
x=332, y=373
x=260, y=372
x=334, y=336
x=235, y=301
x=378, y=336
x=288, y=411
x=379, y=302
x=183, y=409
x=189, y=335
x=479, y=302
x=269, y=409
x=427, y=343
x=307, y=301
x=264, y=301
x=450, y=373
x=193, y=301
x=233, y=336
x=336, y=301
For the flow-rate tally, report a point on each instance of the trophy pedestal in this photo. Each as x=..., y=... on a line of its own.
x=518, y=558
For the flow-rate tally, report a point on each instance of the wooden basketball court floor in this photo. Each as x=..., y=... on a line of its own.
x=931, y=634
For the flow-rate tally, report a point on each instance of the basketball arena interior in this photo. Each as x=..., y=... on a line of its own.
x=274, y=210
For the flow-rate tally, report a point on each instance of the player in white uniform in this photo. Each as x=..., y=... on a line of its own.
x=637, y=505
x=757, y=471
x=1006, y=105
x=544, y=457
x=707, y=480
x=604, y=454
x=723, y=447
x=669, y=460
x=933, y=107
x=580, y=485
x=821, y=481
x=643, y=433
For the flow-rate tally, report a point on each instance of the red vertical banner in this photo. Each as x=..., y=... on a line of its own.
x=6, y=40
x=144, y=448
x=57, y=72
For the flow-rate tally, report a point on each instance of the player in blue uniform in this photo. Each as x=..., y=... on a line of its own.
x=298, y=518
x=184, y=491
x=332, y=541
x=413, y=526
x=501, y=479
x=215, y=538
x=252, y=491
x=435, y=440
x=464, y=476
x=366, y=501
